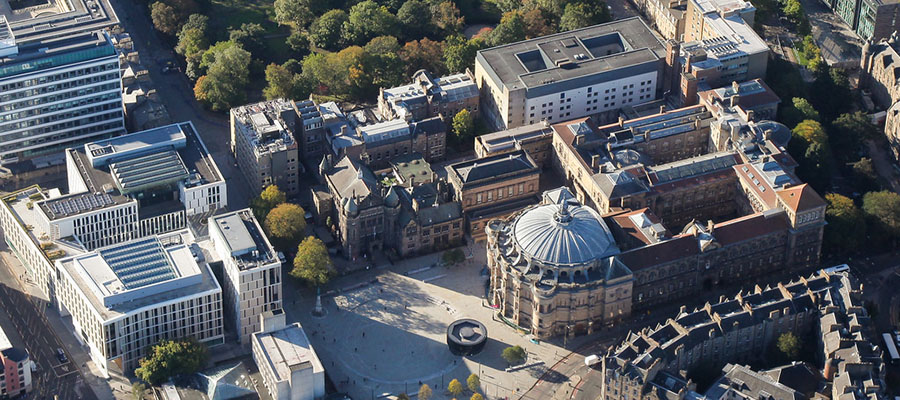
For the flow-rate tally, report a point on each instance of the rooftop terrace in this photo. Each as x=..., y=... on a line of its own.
x=33, y=22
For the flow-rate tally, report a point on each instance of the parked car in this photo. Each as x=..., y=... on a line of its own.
x=61, y=355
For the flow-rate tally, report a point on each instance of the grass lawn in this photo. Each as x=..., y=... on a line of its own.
x=224, y=14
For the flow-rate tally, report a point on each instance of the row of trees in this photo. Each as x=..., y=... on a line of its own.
x=285, y=225
x=348, y=53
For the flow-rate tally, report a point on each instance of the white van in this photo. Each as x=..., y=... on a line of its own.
x=591, y=360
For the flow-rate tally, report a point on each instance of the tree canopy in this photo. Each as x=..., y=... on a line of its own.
x=415, y=17
x=513, y=354
x=789, y=345
x=164, y=18
x=286, y=224
x=455, y=387
x=476, y=396
x=459, y=53
x=294, y=12
x=463, y=126
x=226, y=80
x=884, y=208
x=170, y=358
x=326, y=31
x=846, y=228
x=582, y=14
x=280, y=82
x=473, y=382
x=312, y=263
x=368, y=19
x=424, y=392
x=511, y=29
x=425, y=53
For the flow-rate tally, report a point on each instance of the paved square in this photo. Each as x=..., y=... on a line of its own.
x=389, y=336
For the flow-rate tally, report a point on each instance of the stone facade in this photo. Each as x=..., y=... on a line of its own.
x=263, y=144
x=428, y=97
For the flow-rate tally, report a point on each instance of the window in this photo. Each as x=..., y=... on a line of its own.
x=478, y=198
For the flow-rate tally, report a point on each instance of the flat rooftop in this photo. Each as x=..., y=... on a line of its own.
x=143, y=160
x=56, y=52
x=246, y=242
x=33, y=21
x=288, y=349
x=128, y=276
x=22, y=205
x=592, y=50
x=265, y=126
x=493, y=168
x=503, y=140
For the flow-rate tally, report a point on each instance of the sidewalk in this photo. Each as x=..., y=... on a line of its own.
x=102, y=388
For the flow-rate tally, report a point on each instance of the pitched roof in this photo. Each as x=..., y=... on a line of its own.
x=349, y=179
x=801, y=198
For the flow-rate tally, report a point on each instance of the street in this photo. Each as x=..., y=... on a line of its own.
x=31, y=328
x=176, y=92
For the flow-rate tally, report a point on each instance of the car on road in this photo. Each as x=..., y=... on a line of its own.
x=61, y=355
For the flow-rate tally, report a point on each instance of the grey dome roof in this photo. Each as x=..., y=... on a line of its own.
x=563, y=234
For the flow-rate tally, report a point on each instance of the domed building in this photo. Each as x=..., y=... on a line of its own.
x=553, y=268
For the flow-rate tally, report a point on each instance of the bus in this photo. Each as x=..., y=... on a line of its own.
x=891, y=348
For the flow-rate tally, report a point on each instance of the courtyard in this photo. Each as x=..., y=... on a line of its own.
x=384, y=330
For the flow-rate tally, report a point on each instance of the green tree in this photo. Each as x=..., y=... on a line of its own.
x=312, y=263
x=367, y=20
x=453, y=256
x=424, y=392
x=789, y=345
x=511, y=29
x=293, y=12
x=137, y=390
x=582, y=14
x=196, y=21
x=280, y=82
x=463, y=126
x=794, y=11
x=250, y=37
x=473, y=382
x=382, y=63
x=286, y=224
x=536, y=25
x=806, y=109
x=846, y=228
x=865, y=178
x=455, y=387
x=476, y=396
x=270, y=197
x=513, y=354
x=226, y=80
x=170, y=358
x=164, y=18
x=445, y=17
x=326, y=32
x=299, y=42
x=423, y=54
x=191, y=44
x=459, y=53
x=849, y=133
x=415, y=17
x=884, y=208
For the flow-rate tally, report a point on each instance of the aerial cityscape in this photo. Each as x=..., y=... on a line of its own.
x=450, y=199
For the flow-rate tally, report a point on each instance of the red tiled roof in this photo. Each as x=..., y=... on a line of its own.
x=801, y=197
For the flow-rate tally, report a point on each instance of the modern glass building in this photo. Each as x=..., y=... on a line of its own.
x=57, y=93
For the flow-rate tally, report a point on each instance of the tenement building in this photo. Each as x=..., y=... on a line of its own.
x=880, y=70
x=287, y=362
x=694, y=198
x=428, y=97
x=369, y=215
x=310, y=131
x=494, y=187
x=251, y=276
x=660, y=362
x=262, y=141
x=375, y=142
x=56, y=93
x=124, y=298
x=592, y=71
x=120, y=189
x=667, y=16
x=15, y=369
x=552, y=268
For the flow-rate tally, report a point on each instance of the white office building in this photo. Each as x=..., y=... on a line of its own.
x=56, y=93
x=251, y=270
x=123, y=188
x=125, y=298
x=593, y=71
x=289, y=366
